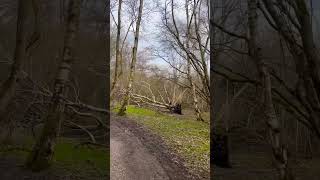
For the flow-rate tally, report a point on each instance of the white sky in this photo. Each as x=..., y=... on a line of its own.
x=150, y=30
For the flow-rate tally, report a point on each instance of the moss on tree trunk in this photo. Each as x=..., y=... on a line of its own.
x=42, y=154
x=125, y=101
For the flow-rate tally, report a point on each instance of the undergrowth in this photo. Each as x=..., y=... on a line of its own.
x=83, y=160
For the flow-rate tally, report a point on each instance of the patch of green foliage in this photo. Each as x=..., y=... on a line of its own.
x=19, y=152
x=88, y=160
x=133, y=110
x=87, y=157
x=188, y=137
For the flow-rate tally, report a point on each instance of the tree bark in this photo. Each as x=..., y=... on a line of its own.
x=202, y=50
x=274, y=125
x=8, y=88
x=126, y=98
x=192, y=85
x=43, y=151
x=305, y=56
x=309, y=47
x=220, y=150
x=118, y=53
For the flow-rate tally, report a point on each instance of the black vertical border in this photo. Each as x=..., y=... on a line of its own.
x=211, y=31
x=108, y=59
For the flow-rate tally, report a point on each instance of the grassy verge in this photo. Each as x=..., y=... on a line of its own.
x=83, y=160
x=188, y=137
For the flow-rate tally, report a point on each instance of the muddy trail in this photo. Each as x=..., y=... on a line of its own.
x=138, y=154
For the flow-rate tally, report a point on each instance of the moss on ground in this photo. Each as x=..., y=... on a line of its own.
x=86, y=160
x=188, y=137
x=82, y=157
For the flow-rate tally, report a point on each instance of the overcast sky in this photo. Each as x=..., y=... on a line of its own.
x=150, y=30
x=150, y=24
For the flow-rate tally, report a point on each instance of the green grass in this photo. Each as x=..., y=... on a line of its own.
x=133, y=110
x=83, y=159
x=188, y=137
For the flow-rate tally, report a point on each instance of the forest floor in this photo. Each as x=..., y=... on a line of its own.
x=71, y=161
x=178, y=145
x=251, y=159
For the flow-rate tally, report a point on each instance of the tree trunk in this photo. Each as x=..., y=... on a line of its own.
x=9, y=86
x=205, y=77
x=176, y=109
x=279, y=151
x=220, y=150
x=43, y=151
x=126, y=98
x=118, y=53
x=192, y=85
x=309, y=47
x=308, y=86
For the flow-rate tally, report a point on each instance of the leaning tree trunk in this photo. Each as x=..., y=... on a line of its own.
x=308, y=85
x=118, y=53
x=42, y=153
x=192, y=85
x=127, y=95
x=204, y=76
x=9, y=86
x=279, y=151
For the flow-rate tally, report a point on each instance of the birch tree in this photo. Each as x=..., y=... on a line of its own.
x=197, y=52
x=43, y=151
x=274, y=125
x=299, y=94
x=192, y=85
x=296, y=30
x=127, y=95
x=118, y=52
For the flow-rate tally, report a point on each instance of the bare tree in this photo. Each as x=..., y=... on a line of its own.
x=8, y=88
x=291, y=89
x=274, y=125
x=42, y=153
x=118, y=52
x=295, y=29
x=297, y=32
x=192, y=85
x=197, y=53
x=126, y=98
x=170, y=99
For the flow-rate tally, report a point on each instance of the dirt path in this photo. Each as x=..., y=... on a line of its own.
x=130, y=160
x=137, y=154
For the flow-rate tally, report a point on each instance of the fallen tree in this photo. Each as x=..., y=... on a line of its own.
x=172, y=103
x=33, y=99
